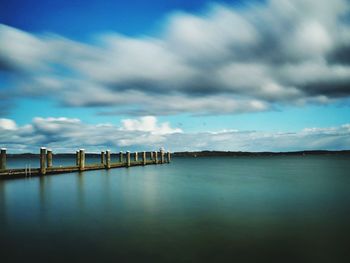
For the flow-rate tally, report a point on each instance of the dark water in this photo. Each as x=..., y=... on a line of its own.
x=252, y=209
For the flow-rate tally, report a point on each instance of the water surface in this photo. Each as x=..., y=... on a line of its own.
x=245, y=209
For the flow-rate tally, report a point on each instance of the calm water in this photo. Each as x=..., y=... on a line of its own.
x=251, y=209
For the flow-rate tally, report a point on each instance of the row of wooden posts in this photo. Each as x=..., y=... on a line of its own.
x=46, y=159
x=106, y=158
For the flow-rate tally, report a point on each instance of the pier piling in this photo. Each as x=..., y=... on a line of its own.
x=108, y=159
x=81, y=160
x=3, y=159
x=49, y=158
x=168, y=157
x=156, y=157
x=43, y=160
x=103, y=158
x=77, y=154
x=144, y=158
x=162, y=156
x=121, y=157
x=128, y=158
x=136, y=156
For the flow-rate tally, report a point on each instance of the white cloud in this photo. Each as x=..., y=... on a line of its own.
x=148, y=124
x=7, y=124
x=67, y=135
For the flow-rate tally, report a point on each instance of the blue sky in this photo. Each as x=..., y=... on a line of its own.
x=81, y=19
x=195, y=68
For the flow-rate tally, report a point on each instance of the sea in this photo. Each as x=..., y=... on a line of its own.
x=207, y=209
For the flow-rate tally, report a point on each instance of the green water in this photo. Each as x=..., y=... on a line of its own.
x=251, y=209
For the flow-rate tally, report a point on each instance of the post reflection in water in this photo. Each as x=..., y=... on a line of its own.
x=80, y=191
x=149, y=192
x=43, y=198
x=3, y=209
x=107, y=187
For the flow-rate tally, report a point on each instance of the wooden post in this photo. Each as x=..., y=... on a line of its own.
x=162, y=156
x=151, y=156
x=144, y=158
x=103, y=158
x=136, y=156
x=3, y=159
x=77, y=155
x=49, y=158
x=156, y=157
x=121, y=157
x=128, y=158
x=168, y=155
x=43, y=160
x=81, y=160
x=108, y=159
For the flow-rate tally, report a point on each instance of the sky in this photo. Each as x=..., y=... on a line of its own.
x=270, y=75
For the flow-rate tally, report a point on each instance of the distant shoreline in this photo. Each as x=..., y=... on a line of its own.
x=239, y=153
x=212, y=153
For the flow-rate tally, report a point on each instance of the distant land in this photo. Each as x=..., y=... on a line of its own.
x=238, y=153
x=210, y=153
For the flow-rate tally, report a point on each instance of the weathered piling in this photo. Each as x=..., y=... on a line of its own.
x=43, y=160
x=108, y=159
x=168, y=157
x=49, y=158
x=152, y=156
x=81, y=160
x=162, y=156
x=103, y=158
x=77, y=155
x=136, y=156
x=144, y=160
x=3, y=159
x=156, y=157
x=128, y=159
x=121, y=158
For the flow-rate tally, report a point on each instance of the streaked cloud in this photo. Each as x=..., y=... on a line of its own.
x=226, y=60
